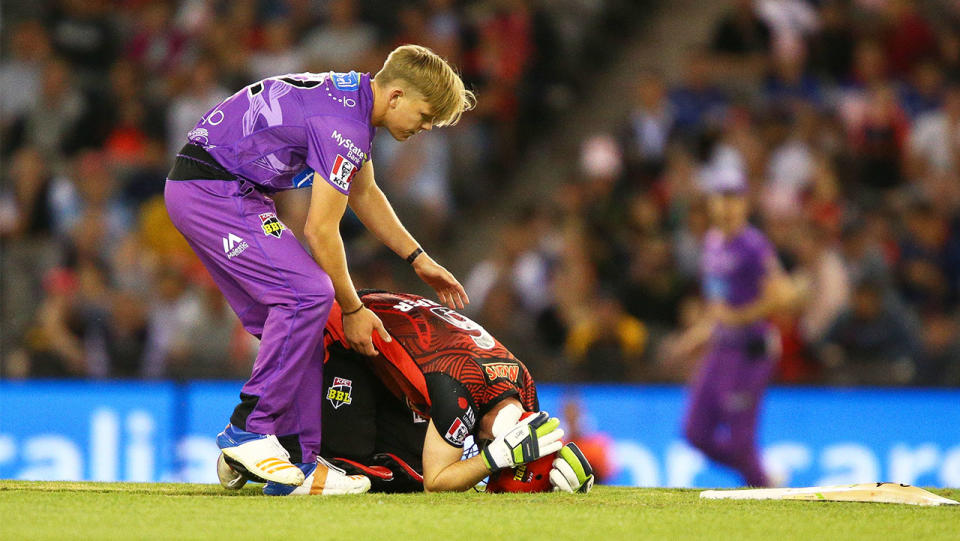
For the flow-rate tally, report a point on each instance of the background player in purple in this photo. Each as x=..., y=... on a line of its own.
x=287, y=132
x=743, y=284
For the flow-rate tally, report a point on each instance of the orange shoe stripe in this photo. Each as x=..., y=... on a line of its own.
x=319, y=479
x=280, y=467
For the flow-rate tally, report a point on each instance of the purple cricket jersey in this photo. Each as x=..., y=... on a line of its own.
x=276, y=132
x=733, y=272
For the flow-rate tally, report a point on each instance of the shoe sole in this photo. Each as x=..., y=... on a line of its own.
x=230, y=478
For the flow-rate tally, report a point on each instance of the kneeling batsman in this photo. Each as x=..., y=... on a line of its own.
x=441, y=379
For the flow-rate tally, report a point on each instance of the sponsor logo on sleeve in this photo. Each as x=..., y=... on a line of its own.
x=339, y=393
x=199, y=135
x=303, y=178
x=347, y=82
x=343, y=172
x=457, y=432
x=470, y=418
x=354, y=152
x=272, y=226
x=501, y=370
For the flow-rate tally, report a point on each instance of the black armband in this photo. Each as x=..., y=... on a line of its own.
x=414, y=254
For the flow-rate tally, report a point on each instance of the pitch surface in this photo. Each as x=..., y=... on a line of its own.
x=57, y=510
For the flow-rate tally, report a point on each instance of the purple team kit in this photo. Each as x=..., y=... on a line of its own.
x=722, y=417
x=272, y=136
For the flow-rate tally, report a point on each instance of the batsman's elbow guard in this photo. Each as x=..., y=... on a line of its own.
x=571, y=471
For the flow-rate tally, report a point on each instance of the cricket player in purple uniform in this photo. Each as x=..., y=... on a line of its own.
x=296, y=131
x=743, y=284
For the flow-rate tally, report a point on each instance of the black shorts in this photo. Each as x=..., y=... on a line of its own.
x=361, y=417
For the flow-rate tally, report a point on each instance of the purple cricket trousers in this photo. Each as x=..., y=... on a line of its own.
x=724, y=404
x=278, y=291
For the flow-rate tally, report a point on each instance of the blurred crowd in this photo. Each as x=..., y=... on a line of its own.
x=844, y=115
x=97, y=96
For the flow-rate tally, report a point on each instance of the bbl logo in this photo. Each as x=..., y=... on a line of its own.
x=339, y=393
x=271, y=225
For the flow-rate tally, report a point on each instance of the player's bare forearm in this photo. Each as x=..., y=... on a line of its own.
x=458, y=477
x=778, y=294
x=322, y=232
x=329, y=253
x=692, y=339
x=443, y=471
x=372, y=207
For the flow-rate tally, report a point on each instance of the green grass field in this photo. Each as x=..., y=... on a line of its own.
x=36, y=510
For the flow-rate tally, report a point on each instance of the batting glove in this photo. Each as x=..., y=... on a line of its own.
x=571, y=472
x=531, y=438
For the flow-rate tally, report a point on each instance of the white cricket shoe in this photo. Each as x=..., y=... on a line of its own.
x=323, y=479
x=262, y=455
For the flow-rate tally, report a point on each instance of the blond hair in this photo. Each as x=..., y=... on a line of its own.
x=431, y=76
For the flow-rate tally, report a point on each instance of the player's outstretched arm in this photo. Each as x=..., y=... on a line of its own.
x=322, y=232
x=374, y=210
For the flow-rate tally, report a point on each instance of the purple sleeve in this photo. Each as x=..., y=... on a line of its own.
x=336, y=149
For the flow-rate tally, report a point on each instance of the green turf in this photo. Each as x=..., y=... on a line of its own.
x=34, y=510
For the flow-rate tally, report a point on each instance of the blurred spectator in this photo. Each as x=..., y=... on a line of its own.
x=791, y=164
x=790, y=21
x=88, y=202
x=342, y=41
x=207, y=339
x=652, y=288
x=28, y=49
x=278, y=55
x=871, y=342
x=929, y=266
x=820, y=269
x=126, y=335
x=418, y=180
x=26, y=210
x=50, y=124
x=831, y=47
x=697, y=102
x=648, y=129
x=788, y=83
x=187, y=109
x=741, y=32
x=922, y=93
x=609, y=344
x=53, y=347
x=519, y=271
x=878, y=140
x=84, y=36
x=909, y=36
x=158, y=44
x=938, y=363
x=935, y=139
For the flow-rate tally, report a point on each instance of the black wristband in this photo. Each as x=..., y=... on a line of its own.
x=354, y=311
x=414, y=254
